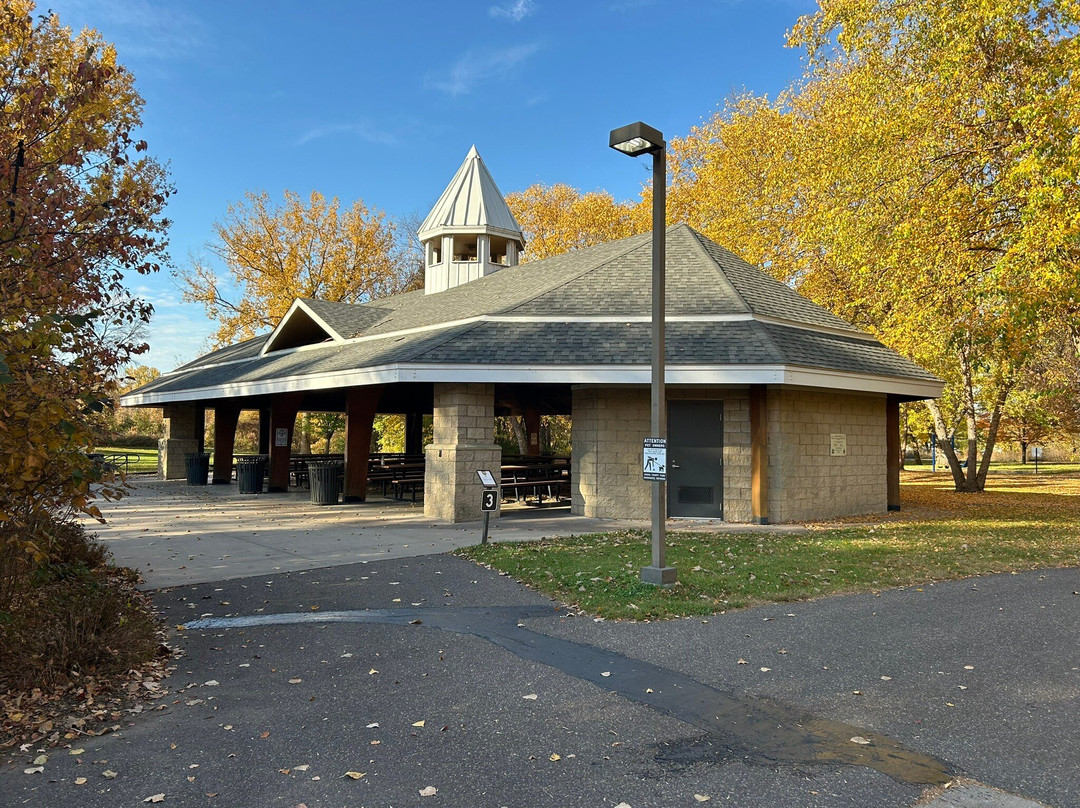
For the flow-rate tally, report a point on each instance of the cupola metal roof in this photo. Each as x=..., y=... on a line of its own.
x=472, y=203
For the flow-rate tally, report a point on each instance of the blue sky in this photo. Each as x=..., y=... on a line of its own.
x=381, y=100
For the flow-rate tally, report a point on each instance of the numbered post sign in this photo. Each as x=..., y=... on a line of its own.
x=489, y=500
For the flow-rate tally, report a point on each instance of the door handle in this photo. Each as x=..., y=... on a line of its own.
x=676, y=466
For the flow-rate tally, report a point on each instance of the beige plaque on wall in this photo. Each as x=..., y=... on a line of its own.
x=837, y=444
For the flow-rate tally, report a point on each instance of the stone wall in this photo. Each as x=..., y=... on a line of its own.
x=183, y=436
x=464, y=442
x=609, y=425
x=805, y=482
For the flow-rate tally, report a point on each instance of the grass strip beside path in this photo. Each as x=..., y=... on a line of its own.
x=1024, y=523
x=139, y=460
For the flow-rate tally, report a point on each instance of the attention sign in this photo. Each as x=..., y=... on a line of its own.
x=654, y=462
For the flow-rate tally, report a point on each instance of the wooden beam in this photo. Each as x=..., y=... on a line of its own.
x=892, y=451
x=759, y=454
x=414, y=433
x=361, y=404
x=531, y=417
x=264, y=430
x=283, y=409
x=226, y=417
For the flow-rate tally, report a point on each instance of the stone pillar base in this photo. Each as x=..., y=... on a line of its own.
x=171, y=453
x=452, y=490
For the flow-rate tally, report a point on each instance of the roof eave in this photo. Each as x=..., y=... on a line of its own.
x=696, y=375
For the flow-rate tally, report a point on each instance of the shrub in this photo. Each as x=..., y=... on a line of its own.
x=66, y=610
x=81, y=624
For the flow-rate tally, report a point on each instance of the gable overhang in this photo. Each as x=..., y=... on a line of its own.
x=295, y=329
x=607, y=375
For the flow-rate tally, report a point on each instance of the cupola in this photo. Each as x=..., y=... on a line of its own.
x=470, y=232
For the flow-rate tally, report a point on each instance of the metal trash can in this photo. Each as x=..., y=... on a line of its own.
x=198, y=468
x=249, y=474
x=325, y=477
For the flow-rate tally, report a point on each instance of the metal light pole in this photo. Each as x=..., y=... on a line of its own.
x=634, y=140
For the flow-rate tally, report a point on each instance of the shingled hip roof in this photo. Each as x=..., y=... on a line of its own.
x=581, y=317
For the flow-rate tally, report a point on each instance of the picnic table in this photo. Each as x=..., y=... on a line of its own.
x=536, y=476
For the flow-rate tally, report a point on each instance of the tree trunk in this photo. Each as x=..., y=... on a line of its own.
x=991, y=435
x=305, y=434
x=518, y=425
x=329, y=436
x=945, y=444
x=1023, y=452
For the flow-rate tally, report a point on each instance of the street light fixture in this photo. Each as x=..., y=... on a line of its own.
x=634, y=140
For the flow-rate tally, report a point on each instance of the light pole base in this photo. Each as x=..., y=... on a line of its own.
x=660, y=576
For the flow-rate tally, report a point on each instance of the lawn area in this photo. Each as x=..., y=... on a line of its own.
x=139, y=460
x=1024, y=522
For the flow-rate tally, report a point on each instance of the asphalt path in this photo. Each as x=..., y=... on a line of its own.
x=981, y=676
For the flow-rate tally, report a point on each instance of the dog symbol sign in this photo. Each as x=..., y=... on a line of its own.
x=654, y=462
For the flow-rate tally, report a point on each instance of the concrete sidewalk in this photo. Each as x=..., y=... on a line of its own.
x=179, y=534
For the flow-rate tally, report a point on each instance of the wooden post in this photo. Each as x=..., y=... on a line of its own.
x=361, y=403
x=759, y=454
x=264, y=430
x=283, y=410
x=892, y=451
x=414, y=433
x=226, y=417
x=531, y=417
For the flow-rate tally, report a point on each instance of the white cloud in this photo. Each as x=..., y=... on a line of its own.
x=361, y=129
x=476, y=67
x=515, y=12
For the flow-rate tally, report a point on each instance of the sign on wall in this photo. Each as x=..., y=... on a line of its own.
x=654, y=462
x=837, y=445
x=281, y=436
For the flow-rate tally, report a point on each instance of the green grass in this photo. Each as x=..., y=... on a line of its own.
x=140, y=460
x=944, y=535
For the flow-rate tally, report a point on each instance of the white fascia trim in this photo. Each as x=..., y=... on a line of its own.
x=709, y=375
x=298, y=304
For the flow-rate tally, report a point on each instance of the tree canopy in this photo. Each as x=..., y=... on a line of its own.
x=275, y=253
x=919, y=180
x=82, y=207
x=557, y=218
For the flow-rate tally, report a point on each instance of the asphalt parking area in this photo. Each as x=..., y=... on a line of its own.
x=981, y=675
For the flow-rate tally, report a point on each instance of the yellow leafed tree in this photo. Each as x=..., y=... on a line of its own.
x=557, y=218
x=920, y=181
x=276, y=253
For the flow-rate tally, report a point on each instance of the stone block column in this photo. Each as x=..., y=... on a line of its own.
x=464, y=443
x=609, y=425
x=183, y=436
